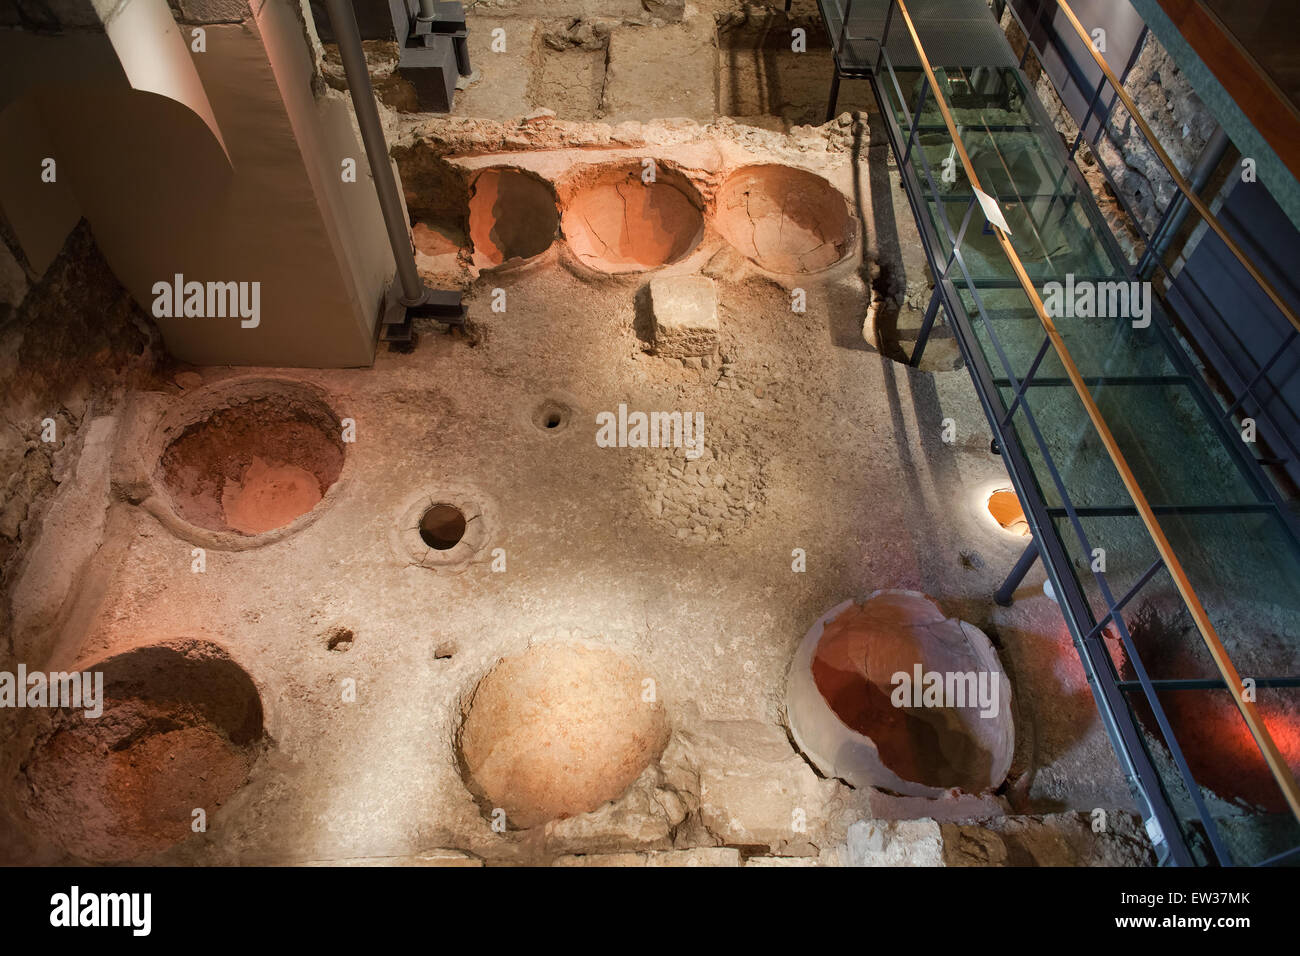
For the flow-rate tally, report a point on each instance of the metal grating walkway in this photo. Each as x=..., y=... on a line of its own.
x=1175, y=558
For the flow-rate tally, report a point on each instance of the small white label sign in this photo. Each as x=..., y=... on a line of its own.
x=992, y=211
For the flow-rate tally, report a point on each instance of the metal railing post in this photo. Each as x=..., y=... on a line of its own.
x=1004, y=595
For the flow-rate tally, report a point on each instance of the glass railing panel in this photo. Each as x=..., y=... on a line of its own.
x=1247, y=593
x=1160, y=628
x=1244, y=567
x=1099, y=347
x=1157, y=436
x=1050, y=232
x=1118, y=546
x=1080, y=459
x=1239, y=555
x=1176, y=455
x=980, y=97
x=1049, y=227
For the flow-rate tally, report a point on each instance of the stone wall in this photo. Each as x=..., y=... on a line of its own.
x=72, y=342
x=1182, y=124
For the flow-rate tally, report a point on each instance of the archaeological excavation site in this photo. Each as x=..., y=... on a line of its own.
x=648, y=433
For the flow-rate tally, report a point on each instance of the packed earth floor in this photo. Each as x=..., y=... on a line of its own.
x=348, y=684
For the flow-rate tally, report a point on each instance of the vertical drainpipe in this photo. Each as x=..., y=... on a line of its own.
x=1180, y=208
x=344, y=21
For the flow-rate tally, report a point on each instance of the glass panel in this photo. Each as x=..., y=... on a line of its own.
x=1100, y=348
x=1243, y=799
x=1241, y=558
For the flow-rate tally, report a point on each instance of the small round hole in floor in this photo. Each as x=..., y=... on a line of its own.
x=551, y=415
x=442, y=527
x=1005, y=508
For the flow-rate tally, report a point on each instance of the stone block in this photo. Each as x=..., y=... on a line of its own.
x=895, y=843
x=684, y=310
x=664, y=72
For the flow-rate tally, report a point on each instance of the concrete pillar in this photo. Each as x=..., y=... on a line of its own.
x=228, y=169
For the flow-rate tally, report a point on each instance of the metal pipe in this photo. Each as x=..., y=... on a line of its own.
x=923, y=336
x=1004, y=594
x=1180, y=208
x=835, y=92
x=344, y=21
x=427, y=11
x=460, y=46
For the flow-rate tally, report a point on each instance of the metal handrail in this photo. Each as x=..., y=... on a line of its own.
x=1183, y=185
x=1268, y=748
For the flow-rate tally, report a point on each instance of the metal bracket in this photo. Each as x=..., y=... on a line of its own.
x=399, y=315
x=435, y=20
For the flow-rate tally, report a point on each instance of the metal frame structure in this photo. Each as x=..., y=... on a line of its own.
x=1088, y=630
x=1186, y=200
x=839, y=68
